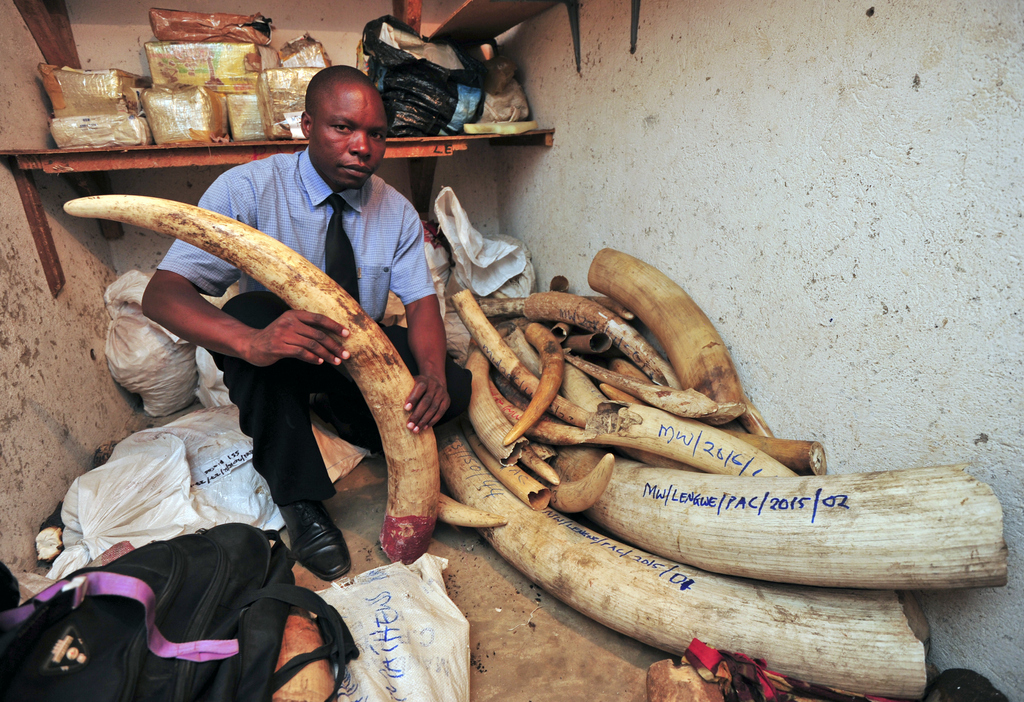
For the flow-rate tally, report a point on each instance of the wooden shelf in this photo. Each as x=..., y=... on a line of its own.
x=483, y=20
x=86, y=170
x=236, y=152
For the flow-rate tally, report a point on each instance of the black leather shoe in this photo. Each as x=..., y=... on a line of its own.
x=315, y=541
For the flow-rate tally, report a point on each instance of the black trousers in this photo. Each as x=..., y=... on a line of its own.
x=274, y=403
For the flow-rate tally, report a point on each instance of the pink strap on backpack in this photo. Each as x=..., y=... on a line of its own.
x=99, y=583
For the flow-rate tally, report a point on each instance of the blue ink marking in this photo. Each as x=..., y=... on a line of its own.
x=763, y=500
x=695, y=443
x=815, y=514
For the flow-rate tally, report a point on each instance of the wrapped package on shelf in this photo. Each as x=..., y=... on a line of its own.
x=282, y=98
x=221, y=66
x=304, y=52
x=76, y=93
x=244, y=117
x=180, y=25
x=185, y=113
x=100, y=131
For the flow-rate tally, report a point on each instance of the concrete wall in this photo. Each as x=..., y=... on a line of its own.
x=58, y=401
x=840, y=188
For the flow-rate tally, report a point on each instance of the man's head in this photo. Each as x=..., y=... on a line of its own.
x=346, y=126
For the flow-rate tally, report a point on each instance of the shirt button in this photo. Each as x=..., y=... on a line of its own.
x=386, y=269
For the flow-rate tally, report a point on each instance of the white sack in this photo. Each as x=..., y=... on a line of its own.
x=210, y=388
x=139, y=498
x=413, y=641
x=500, y=264
x=143, y=357
x=193, y=473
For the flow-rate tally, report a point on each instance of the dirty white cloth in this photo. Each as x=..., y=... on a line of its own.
x=413, y=641
x=143, y=357
x=484, y=265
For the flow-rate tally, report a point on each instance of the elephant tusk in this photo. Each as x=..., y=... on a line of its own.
x=502, y=358
x=682, y=403
x=552, y=366
x=885, y=530
x=563, y=307
x=597, y=342
x=457, y=514
x=488, y=421
x=587, y=472
x=539, y=466
x=691, y=341
x=521, y=485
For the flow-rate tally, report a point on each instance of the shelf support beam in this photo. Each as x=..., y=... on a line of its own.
x=40, y=227
x=48, y=21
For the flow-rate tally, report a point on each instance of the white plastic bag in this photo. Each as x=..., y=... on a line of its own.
x=500, y=264
x=413, y=641
x=210, y=388
x=193, y=473
x=143, y=357
x=138, y=498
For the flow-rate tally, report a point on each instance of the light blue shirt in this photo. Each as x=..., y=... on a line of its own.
x=284, y=197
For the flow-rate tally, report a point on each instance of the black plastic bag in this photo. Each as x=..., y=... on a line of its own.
x=422, y=98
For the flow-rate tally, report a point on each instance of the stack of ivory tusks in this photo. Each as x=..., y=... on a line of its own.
x=378, y=370
x=697, y=352
x=855, y=640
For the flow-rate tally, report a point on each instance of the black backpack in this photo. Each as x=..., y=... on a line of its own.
x=217, y=605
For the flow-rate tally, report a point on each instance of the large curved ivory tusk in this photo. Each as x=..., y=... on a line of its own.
x=513, y=306
x=378, y=370
x=457, y=514
x=502, y=358
x=682, y=403
x=686, y=440
x=691, y=341
x=563, y=307
x=587, y=472
x=552, y=366
x=650, y=429
x=577, y=388
x=921, y=528
x=520, y=484
x=854, y=640
x=490, y=424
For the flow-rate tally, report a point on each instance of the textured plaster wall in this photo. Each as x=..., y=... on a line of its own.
x=841, y=189
x=57, y=400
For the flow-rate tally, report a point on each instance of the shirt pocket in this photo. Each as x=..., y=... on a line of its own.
x=374, y=283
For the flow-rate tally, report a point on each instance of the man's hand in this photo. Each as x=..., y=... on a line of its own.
x=305, y=336
x=427, y=403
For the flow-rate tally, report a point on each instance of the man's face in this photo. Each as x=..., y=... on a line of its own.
x=346, y=135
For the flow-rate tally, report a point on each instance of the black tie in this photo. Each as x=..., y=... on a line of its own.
x=341, y=259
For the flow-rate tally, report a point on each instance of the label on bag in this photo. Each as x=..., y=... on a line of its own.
x=68, y=655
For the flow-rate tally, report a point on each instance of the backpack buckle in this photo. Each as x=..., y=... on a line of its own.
x=80, y=584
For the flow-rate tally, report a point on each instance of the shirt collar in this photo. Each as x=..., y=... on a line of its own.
x=319, y=190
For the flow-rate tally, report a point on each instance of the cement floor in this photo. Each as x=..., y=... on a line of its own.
x=525, y=645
